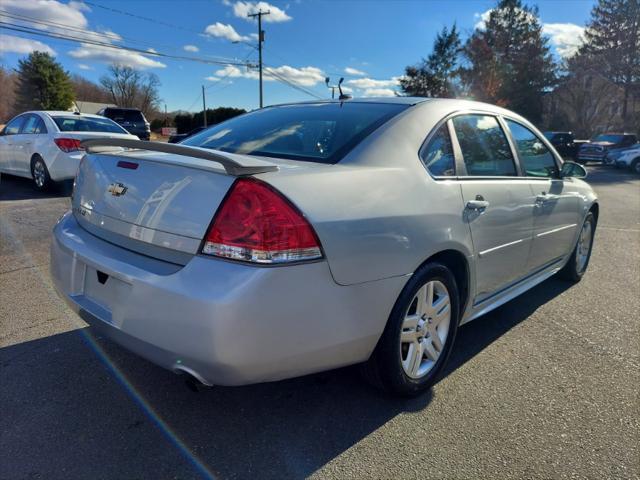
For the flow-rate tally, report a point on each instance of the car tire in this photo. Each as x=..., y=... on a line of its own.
x=635, y=166
x=404, y=363
x=578, y=262
x=40, y=173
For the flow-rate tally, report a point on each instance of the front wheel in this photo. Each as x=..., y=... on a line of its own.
x=419, y=334
x=40, y=173
x=579, y=261
x=635, y=166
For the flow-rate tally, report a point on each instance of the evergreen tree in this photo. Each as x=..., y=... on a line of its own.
x=435, y=76
x=43, y=84
x=508, y=62
x=612, y=40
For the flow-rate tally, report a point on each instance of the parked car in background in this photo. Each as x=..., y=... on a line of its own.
x=601, y=145
x=613, y=155
x=178, y=137
x=630, y=158
x=131, y=119
x=564, y=143
x=45, y=145
x=310, y=236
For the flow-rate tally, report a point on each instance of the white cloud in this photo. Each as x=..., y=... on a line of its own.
x=242, y=9
x=11, y=44
x=379, y=92
x=221, y=30
x=113, y=55
x=83, y=66
x=482, y=19
x=354, y=71
x=305, y=76
x=566, y=37
x=53, y=11
x=369, y=83
x=191, y=48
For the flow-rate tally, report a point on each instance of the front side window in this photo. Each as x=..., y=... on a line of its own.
x=536, y=159
x=438, y=154
x=31, y=125
x=77, y=123
x=13, y=127
x=484, y=146
x=315, y=132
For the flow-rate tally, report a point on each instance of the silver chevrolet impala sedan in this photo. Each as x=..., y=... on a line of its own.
x=310, y=236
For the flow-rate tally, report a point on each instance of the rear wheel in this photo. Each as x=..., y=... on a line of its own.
x=40, y=173
x=579, y=261
x=635, y=166
x=419, y=335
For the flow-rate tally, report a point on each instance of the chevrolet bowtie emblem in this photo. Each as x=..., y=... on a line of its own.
x=117, y=189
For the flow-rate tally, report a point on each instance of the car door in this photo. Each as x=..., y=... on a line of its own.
x=8, y=151
x=556, y=201
x=24, y=144
x=498, y=203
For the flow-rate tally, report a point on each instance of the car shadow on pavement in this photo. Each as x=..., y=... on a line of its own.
x=64, y=416
x=605, y=174
x=18, y=188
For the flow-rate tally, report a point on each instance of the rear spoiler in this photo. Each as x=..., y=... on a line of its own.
x=233, y=164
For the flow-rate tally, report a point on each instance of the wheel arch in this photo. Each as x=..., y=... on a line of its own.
x=595, y=209
x=457, y=262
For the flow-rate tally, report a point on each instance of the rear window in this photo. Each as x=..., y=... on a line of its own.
x=87, y=124
x=322, y=132
x=124, y=115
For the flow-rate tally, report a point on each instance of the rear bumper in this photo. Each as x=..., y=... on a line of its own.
x=227, y=323
x=64, y=166
x=591, y=157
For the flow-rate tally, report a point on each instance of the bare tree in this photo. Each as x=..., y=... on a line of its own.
x=88, y=91
x=8, y=83
x=128, y=87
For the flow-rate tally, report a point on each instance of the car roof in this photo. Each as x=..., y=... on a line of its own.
x=62, y=112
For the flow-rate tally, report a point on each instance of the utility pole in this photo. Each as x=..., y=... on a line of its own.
x=204, y=107
x=259, y=14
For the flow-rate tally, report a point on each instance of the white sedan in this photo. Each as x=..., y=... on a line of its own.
x=45, y=146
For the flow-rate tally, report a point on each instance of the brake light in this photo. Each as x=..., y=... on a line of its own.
x=257, y=224
x=68, y=144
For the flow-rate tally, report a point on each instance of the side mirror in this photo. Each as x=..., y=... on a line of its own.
x=573, y=170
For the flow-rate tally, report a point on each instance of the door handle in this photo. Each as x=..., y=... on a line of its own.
x=478, y=205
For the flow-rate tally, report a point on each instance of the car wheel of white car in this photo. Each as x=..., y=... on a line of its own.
x=579, y=261
x=40, y=173
x=419, y=334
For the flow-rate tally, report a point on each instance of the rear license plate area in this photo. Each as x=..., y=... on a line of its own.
x=104, y=290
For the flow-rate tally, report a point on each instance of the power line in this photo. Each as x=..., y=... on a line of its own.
x=68, y=37
x=260, y=14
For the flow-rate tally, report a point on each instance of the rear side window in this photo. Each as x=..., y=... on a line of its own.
x=536, y=159
x=438, y=154
x=77, y=123
x=13, y=127
x=33, y=125
x=120, y=115
x=321, y=132
x=484, y=146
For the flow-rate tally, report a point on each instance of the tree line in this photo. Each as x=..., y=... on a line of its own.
x=507, y=61
x=41, y=83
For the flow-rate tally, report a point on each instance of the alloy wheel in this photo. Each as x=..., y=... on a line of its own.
x=584, y=246
x=39, y=173
x=425, y=329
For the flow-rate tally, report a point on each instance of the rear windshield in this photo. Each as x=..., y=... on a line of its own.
x=87, y=124
x=124, y=115
x=609, y=138
x=322, y=132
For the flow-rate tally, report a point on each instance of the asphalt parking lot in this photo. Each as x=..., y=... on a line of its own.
x=547, y=386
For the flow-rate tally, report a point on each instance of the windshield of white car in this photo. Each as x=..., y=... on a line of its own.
x=87, y=124
x=319, y=132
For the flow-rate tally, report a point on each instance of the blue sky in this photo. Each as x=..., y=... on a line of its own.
x=367, y=42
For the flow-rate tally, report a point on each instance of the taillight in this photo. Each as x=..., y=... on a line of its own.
x=68, y=144
x=257, y=224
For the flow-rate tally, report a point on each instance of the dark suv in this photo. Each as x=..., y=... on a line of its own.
x=601, y=145
x=131, y=119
